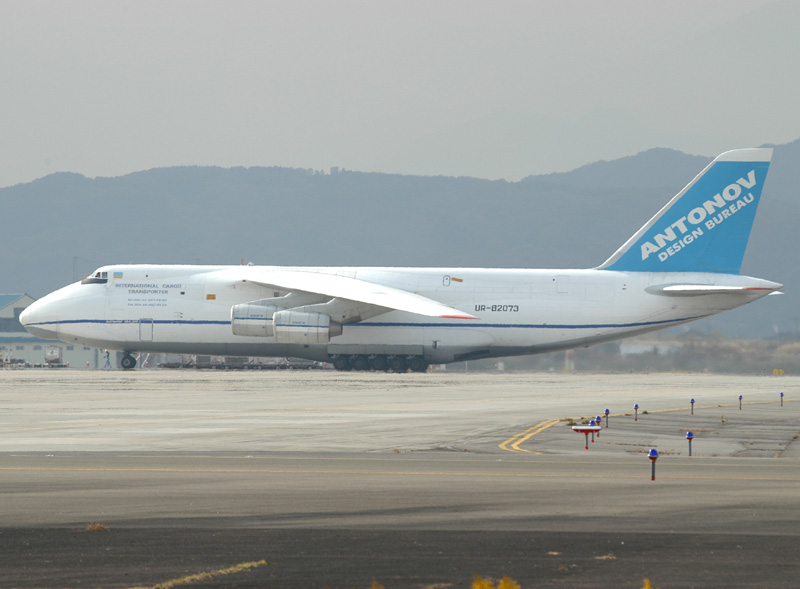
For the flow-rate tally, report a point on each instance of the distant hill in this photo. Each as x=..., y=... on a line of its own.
x=64, y=223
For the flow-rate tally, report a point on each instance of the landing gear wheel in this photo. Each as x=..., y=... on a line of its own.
x=342, y=363
x=398, y=364
x=128, y=362
x=380, y=364
x=418, y=364
x=360, y=363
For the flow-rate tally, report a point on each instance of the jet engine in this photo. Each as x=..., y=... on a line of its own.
x=286, y=325
x=252, y=319
x=297, y=327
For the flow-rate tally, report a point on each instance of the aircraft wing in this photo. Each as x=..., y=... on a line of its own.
x=342, y=287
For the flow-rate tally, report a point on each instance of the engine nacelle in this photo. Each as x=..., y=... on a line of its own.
x=253, y=320
x=297, y=327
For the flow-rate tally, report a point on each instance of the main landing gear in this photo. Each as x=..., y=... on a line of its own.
x=128, y=362
x=380, y=363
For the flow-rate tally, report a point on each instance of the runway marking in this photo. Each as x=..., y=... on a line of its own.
x=699, y=461
x=266, y=471
x=244, y=566
x=458, y=474
x=525, y=436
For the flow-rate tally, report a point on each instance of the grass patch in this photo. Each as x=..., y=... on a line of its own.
x=504, y=583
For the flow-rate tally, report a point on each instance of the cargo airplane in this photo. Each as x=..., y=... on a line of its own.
x=682, y=265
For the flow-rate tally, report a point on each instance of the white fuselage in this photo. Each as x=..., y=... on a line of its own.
x=187, y=310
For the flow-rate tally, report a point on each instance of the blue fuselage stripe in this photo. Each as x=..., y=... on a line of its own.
x=468, y=325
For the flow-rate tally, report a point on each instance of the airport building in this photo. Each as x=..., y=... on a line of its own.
x=20, y=349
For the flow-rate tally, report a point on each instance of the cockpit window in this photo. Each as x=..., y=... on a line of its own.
x=97, y=277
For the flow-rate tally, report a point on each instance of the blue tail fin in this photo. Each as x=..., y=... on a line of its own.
x=705, y=227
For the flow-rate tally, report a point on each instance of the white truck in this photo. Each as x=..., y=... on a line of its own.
x=53, y=355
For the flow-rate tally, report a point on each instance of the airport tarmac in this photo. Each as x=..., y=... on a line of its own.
x=324, y=479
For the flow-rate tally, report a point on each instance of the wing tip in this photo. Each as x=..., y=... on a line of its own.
x=464, y=316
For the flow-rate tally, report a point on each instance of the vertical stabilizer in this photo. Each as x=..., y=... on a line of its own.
x=705, y=227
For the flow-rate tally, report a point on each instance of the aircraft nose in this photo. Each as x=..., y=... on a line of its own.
x=39, y=322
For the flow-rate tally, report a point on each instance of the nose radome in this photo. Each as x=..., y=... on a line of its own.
x=37, y=324
x=26, y=316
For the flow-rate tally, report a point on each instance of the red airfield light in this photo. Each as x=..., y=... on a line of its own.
x=586, y=430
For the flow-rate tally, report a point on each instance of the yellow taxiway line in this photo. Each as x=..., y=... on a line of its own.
x=518, y=439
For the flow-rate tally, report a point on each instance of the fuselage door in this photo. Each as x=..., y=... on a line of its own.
x=145, y=330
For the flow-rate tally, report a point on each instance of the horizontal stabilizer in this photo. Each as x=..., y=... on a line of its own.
x=694, y=290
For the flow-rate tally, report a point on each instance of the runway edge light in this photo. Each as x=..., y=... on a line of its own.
x=653, y=456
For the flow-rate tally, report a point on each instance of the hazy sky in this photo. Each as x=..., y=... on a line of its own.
x=488, y=89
